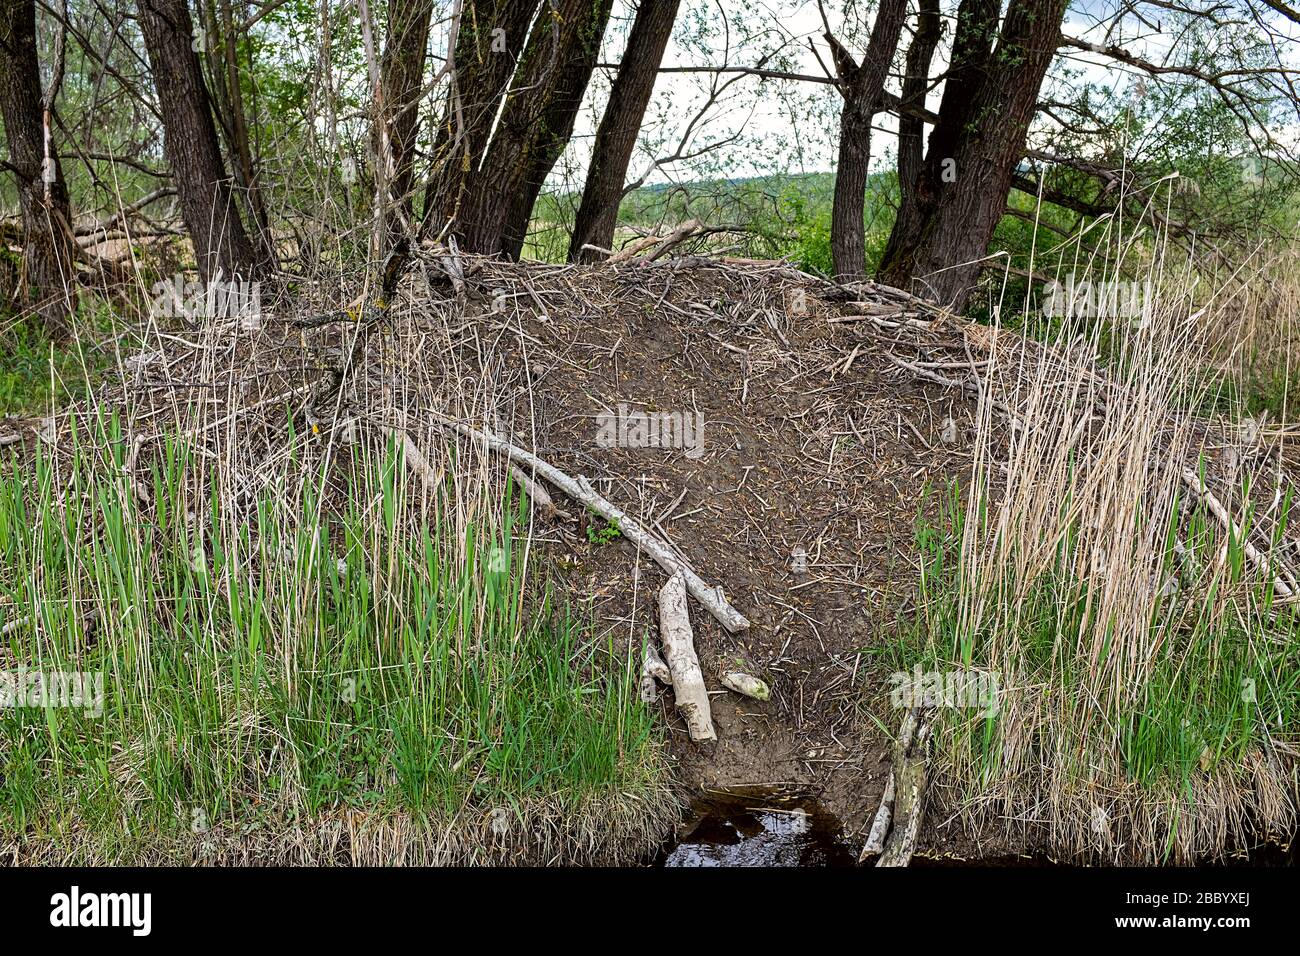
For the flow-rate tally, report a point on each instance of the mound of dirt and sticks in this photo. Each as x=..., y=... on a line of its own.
x=775, y=435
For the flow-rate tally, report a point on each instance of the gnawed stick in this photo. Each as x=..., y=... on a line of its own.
x=413, y=457
x=580, y=490
x=1261, y=561
x=537, y=494
x=653, y=673
x=909, y=800
x=875, y=844
x=679, y=651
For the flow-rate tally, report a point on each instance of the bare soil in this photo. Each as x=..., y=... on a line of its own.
x=812, y=439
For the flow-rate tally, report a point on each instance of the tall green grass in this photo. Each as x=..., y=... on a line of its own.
x=1224, y=680
x=325, y=643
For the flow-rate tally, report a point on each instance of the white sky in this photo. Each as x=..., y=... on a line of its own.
x=780, y=126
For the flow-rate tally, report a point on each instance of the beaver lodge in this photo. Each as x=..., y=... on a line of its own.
x=504, y=569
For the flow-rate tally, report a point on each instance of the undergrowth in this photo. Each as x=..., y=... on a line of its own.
x=342, y=648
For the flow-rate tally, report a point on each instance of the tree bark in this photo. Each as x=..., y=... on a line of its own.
x=538, y=112
x=492, y=36
x=225, y=66
x=551, y=135
x=916, y=81
x=977, y=27
x=402, y=79
x=48, y=275
x=861, y=86
x=190, y=142
x=619, y=128
x=962, y=190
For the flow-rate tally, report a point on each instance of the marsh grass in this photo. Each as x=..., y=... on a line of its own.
x=329, y=667
x=1147, y=650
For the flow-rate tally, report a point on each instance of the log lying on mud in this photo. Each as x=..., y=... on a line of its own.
x=903, y=802
x=875, y=844
x=679, y=651
x=580, y=490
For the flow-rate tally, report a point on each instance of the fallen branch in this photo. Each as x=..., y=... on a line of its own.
x=104, y=225
x=636, y=247
x=966, y=386
x=580, y=490
x=909, y=801
x=897, y=823
x=1259, y=560
x=875, y=844
x=679, y=648
x=413, y=457
x=537, y=494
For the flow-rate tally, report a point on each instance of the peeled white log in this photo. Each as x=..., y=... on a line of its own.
x=679, y=649
x=875, y=844
x=580, y=490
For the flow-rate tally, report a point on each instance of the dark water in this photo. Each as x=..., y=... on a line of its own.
x=764, y=827
x=757, y=828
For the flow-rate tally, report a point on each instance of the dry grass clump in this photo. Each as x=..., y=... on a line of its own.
x=1127, y=571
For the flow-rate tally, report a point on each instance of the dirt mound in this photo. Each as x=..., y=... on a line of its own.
x=782, y=434
x=809, y=439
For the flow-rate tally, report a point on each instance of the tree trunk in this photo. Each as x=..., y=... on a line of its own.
x=619, y=128
x=49, y=275
x=963, y=188
x=551, y=134
x=977, y=27
x=861, y=86
x=916, y=81
x=401, y=72
x=190, y=142
x=492, y=35
x=552, y=73
x=226, y=70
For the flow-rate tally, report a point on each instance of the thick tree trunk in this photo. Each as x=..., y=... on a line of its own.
x=861, y=86
x=552, y=74
x=916, y=81
x=848, y=230
x=551, y=134
x=492, y=35
x=977, y=27
x=401, y=72
x=619, y=128
x=190, y=142
x=49, y=276
x=962, y=191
